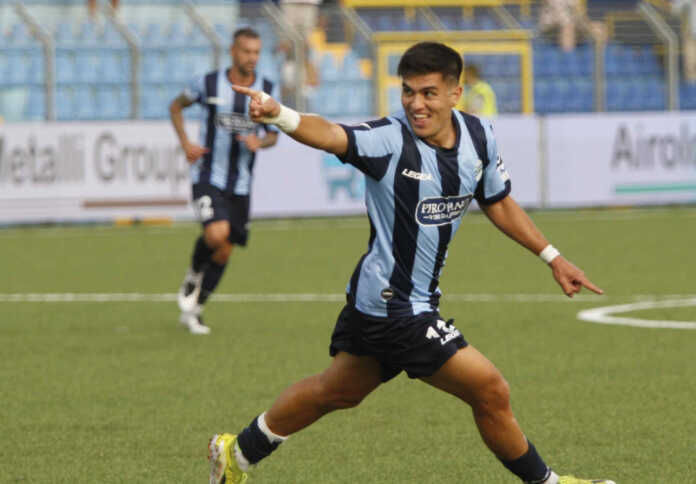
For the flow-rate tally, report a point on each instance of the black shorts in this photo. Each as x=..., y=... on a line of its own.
x=212, y=204
x=419, y=344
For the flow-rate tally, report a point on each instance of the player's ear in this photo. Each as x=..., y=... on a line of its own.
x=455, y=94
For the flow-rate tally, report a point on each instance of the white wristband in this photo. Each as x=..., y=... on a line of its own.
x=287, y=120
x=549, y=253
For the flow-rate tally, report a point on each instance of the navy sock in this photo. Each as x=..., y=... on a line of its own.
x=211, y=278
x=254, y=444
x=201, y=255
x=530, y=467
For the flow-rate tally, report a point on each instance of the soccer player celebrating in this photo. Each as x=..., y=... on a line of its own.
x=221, y=168
x=423, y=166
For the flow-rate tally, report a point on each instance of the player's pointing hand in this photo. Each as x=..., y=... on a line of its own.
x=261, y=105
x=570, y=278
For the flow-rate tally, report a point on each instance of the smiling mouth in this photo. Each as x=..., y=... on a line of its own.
x=419, y=119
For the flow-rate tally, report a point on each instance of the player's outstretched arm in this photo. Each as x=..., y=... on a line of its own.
x=309, y=129
x=512, y=220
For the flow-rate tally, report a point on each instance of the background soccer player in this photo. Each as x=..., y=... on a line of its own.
x=222, y=164
x=423, y=167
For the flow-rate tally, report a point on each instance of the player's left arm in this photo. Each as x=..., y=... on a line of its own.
x=514, y=222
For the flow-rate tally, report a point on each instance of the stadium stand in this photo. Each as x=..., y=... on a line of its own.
x=94, y=63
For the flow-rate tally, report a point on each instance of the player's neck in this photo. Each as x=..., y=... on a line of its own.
x=239, y=78
x=445, y=138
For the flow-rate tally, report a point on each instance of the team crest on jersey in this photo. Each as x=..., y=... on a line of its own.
x=234, y=122
x=442, y=210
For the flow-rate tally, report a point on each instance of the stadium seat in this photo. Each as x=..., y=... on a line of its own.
x=19, y=35
x=350, y=68
x=35, y=109
x=153, y=66
x=328, y=70
x=112, y=38
x=64, y=34
x=86, y=107
x=65, y=103
x=19, y=65
x=153, y=102
x=87, y=66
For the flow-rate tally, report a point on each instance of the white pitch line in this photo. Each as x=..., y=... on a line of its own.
x=602, y=315
x=313, y=297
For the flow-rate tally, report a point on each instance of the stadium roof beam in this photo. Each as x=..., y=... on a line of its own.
x=505, y=17
x=134, y=48
x=432, y=19
x=49, y=48
x=660, y=27
x=207, y=30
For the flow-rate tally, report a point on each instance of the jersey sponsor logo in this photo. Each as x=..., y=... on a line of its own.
x=234, y=122
x=442, y=210
x=416, y=175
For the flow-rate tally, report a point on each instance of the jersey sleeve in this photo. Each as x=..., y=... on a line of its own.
x=495, y=180
x=371, y=146
x=195, y=90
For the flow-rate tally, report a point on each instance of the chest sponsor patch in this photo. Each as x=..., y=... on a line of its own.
x=442, y=210
x=234, y=123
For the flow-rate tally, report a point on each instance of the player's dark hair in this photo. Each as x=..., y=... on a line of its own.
x=472, y=69
x=245, y=32
x=429, y=57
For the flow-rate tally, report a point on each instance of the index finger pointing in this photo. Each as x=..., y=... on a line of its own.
x=249, y=92
x=588, y=284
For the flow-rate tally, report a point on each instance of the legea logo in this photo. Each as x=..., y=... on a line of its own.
x=442, y=210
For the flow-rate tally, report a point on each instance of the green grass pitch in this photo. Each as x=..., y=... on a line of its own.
x=118, y=392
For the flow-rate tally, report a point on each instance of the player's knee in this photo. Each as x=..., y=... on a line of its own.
x=494, y=396
x=216, y=236
x=222, y=253
x=339, y=399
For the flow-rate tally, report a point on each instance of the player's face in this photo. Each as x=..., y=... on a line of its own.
x=245, y=54
x=428, y=101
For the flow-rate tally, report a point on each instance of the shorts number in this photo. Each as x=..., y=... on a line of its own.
x=204, y=206
x=444, y=332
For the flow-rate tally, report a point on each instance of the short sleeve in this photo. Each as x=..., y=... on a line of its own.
x=495, y=180
x=195, y=90
x=371, y=146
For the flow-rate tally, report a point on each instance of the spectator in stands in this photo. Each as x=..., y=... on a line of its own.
x=301, y=15
x=686, y=9
x=568, y=17
x=478, y=98
x=92, y=7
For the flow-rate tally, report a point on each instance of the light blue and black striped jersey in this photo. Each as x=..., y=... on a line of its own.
x=416, y=194
x=229, y=164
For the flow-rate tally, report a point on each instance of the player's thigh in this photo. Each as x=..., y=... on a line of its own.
x=468, y=375
x=351, y=376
